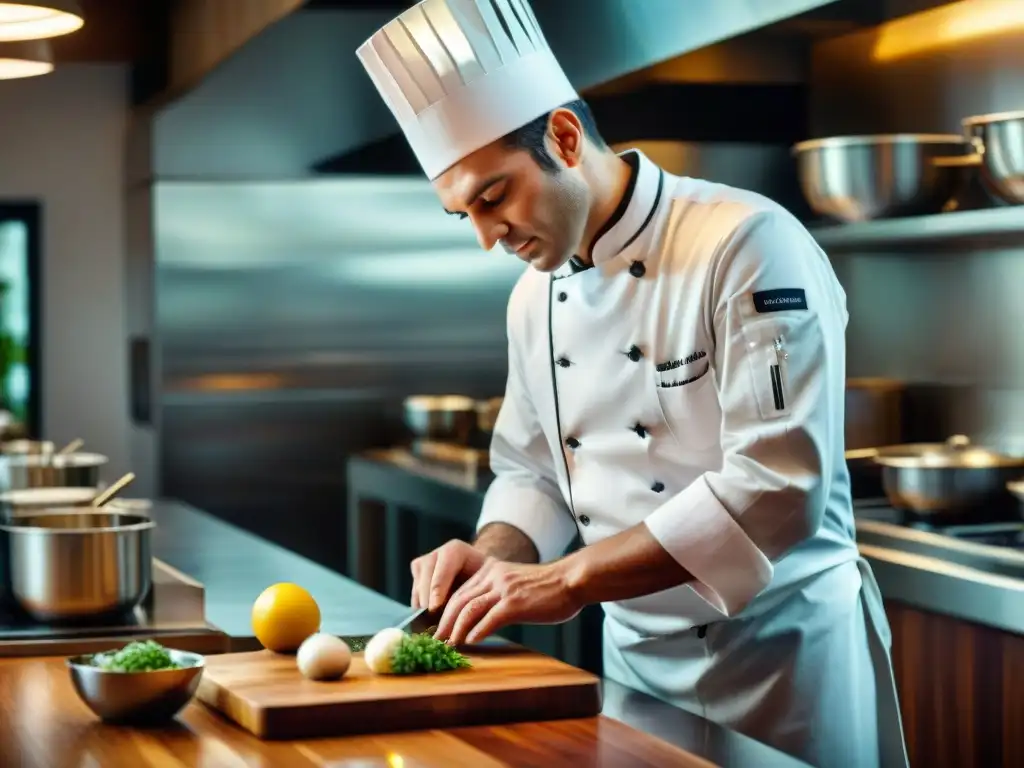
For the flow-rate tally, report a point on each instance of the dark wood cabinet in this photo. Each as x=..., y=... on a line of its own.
x=961, y=689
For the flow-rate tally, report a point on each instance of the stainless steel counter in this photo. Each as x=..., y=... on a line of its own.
x=928, y=571
x=937, y=573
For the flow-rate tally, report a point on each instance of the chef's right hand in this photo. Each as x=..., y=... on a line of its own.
x=437, y=574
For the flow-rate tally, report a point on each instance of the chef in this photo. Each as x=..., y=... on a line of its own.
x=675, y=396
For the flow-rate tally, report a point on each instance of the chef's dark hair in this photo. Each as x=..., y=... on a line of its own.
x=531, y=136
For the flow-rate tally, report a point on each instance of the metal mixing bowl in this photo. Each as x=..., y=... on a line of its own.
x=1000, y=141
x=445, y=418
x=860, y=178
x=43, y=471
x=137, y=698
x=73, y=563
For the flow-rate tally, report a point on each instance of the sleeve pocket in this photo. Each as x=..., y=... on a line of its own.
x=776, y=349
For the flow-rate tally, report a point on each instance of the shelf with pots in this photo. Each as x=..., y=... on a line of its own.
x=918, y=191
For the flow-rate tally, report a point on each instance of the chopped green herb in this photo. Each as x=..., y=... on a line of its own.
x=423, y=653
x=137, y=656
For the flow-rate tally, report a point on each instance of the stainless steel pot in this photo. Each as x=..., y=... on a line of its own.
x=860, y=178
x=26, y=500
x=22, y=447
x=46, y=471
x=947, y=479
x=72, y=564
x=999, y=139
x=442, y=418
x=487, y=414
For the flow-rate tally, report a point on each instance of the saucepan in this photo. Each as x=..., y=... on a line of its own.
x=46, y=470
x=940, y=480
x=441, y=418
x=73, y=563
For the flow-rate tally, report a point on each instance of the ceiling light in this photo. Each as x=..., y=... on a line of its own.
x=37, y=19
x=25, y=58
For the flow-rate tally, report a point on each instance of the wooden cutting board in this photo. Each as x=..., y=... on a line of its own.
x=266, y=695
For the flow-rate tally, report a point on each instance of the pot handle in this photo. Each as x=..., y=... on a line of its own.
x=959, y=442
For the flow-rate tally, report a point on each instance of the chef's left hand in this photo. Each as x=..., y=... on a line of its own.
x=503, y=593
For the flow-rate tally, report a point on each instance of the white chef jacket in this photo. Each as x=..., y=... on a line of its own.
x=693, y=379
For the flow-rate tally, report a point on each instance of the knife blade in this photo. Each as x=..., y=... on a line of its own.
x=416, y=622
x=420, y=620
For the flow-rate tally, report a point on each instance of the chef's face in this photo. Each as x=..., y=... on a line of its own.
x=538, y=214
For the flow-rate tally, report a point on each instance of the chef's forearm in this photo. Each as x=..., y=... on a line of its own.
x=506, y=542
x=627, y=565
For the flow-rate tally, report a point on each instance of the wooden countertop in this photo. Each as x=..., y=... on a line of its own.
x=234, y=566
x=44, y=724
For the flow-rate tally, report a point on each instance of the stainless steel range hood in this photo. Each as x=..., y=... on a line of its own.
x=296, y=93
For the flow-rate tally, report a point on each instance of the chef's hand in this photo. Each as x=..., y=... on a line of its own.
x=436, y=573
x=502, y=593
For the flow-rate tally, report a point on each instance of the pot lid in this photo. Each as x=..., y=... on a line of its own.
x=956, y=453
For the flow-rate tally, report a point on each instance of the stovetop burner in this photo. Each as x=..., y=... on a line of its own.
x=173, y=603
x=1003, y=529
x=17, y=624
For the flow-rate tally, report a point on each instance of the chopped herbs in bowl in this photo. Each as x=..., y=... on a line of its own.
x=140, y=683
x=138, y=656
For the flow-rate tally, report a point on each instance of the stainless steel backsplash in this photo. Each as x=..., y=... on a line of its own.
x=294, y=318
x=951, y=323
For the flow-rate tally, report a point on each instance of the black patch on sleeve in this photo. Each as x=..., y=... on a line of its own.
x=779, y=299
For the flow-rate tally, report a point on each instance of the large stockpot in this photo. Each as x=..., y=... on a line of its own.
x=948, y=479
x=68, y=564
x=49, y=471
x=999, y=139
x=861, y=178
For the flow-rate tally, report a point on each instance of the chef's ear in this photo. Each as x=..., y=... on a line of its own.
x=565, y=137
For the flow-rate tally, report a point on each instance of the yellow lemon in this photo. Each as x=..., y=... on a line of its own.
x=283, y=616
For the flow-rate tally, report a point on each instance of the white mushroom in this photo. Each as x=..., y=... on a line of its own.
x=323, y=657
x=381, y=650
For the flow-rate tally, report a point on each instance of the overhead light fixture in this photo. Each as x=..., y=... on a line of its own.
x=25, y=58
x=37, y=19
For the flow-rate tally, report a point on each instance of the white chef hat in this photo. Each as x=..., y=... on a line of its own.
x=459, y=74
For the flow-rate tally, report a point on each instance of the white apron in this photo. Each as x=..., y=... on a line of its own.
x=817, y=685
x=693, y=380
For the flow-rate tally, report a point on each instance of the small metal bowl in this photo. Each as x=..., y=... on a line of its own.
x=137, y=698
x=1000, y=138
x=862, y=178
